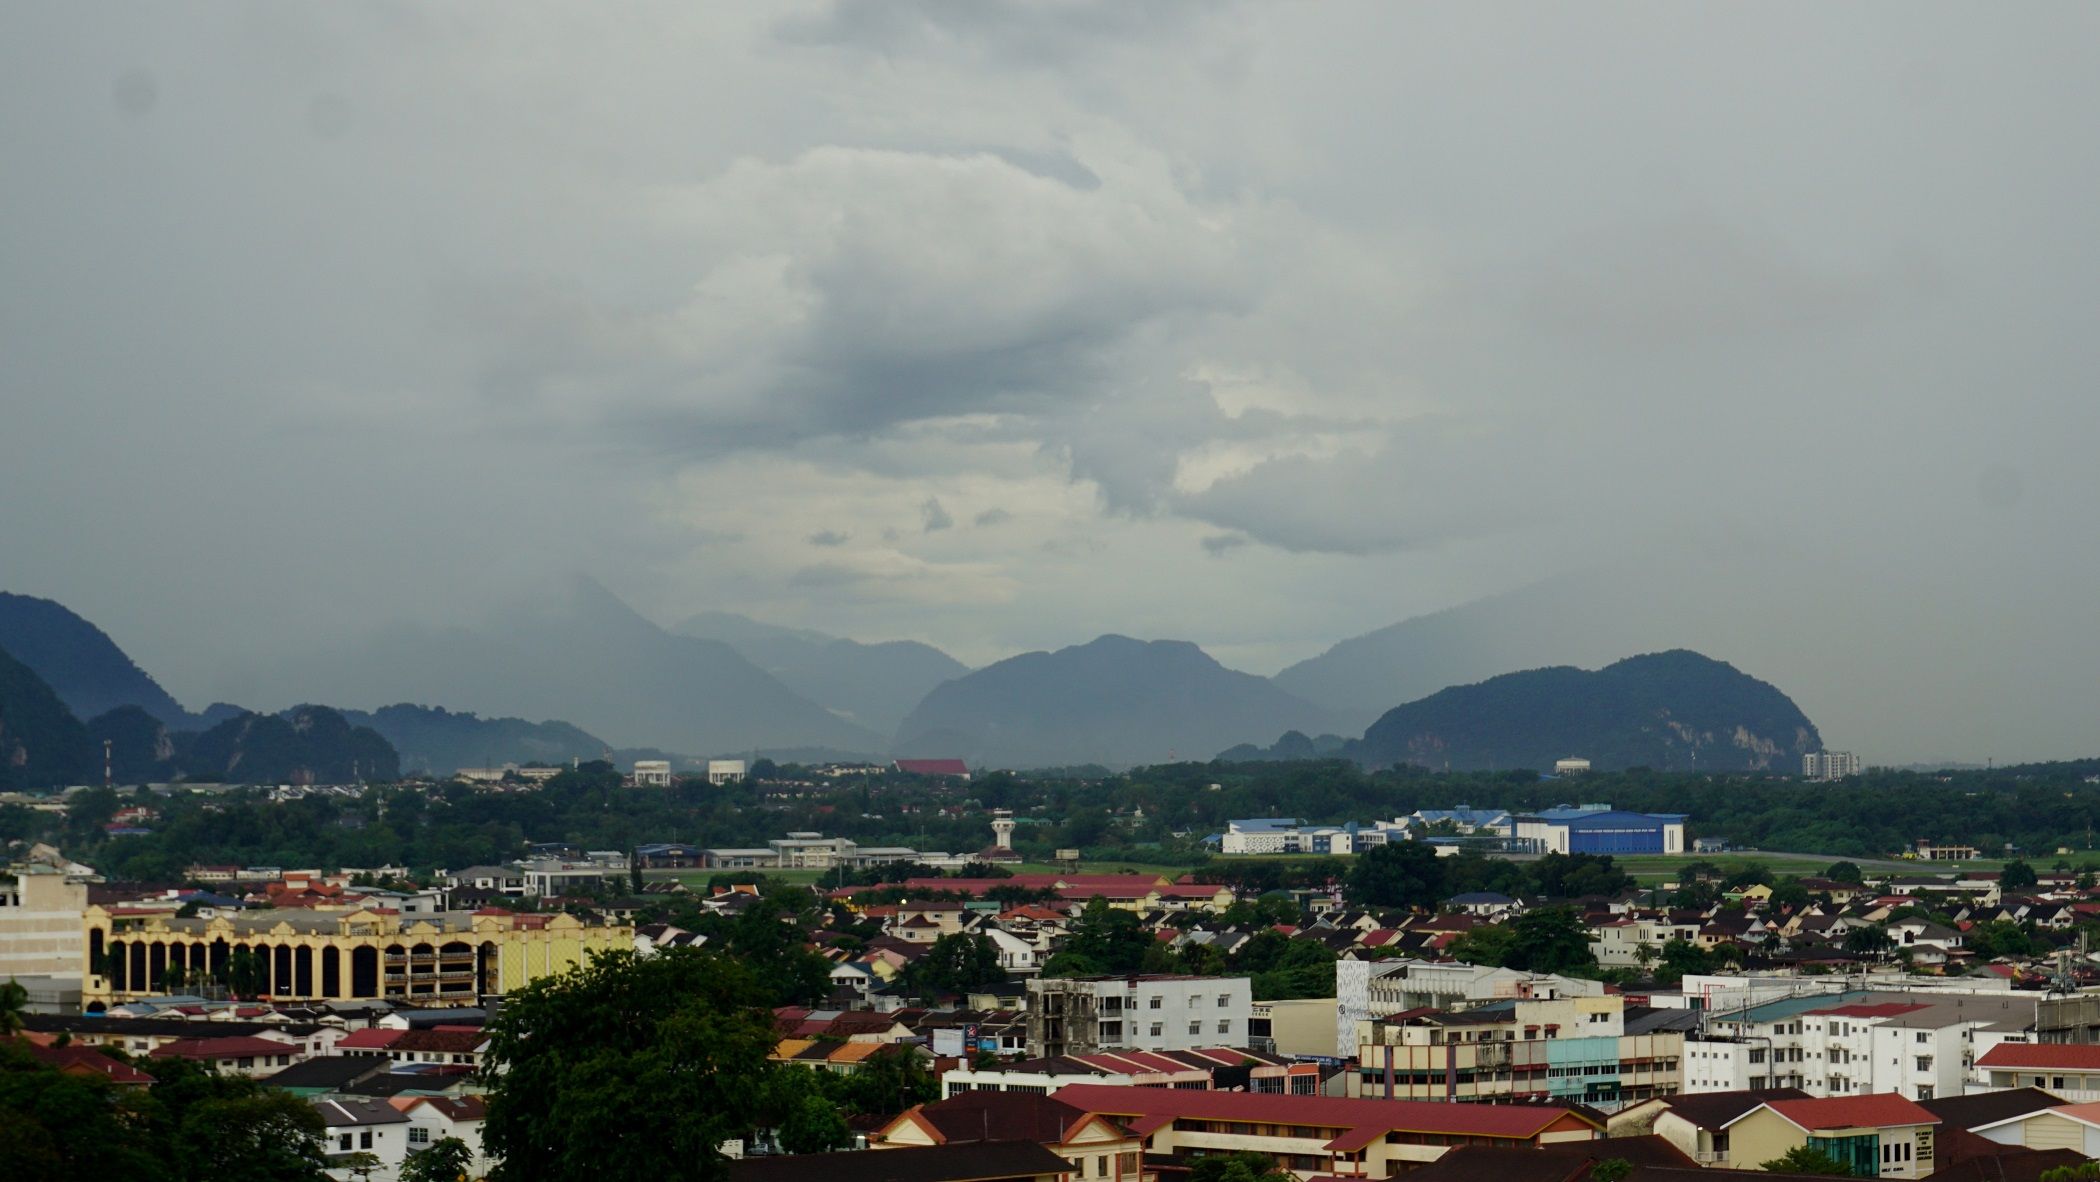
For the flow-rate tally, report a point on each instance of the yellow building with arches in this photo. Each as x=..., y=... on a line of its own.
x=302, y=955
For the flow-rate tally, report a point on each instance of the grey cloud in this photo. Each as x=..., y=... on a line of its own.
x=826, y=574
x=828, y=537
x=934, y=517
x=410, y=303
x=1016, y=31
x=991, y=517
x=848, y=292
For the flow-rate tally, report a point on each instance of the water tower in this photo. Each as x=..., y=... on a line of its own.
x=1003, y=828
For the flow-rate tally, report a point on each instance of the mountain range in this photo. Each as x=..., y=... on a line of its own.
x=434, y=740
x=1113, y=701
x=606, y=678
x=581, y=655
x=873, y=685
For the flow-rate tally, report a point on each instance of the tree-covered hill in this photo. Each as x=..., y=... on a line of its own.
x=308, y=744
x=42, y=745
x=436, y=741
x=90, y=673
x=1672, y=710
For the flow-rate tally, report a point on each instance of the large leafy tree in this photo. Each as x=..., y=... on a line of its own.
x=446, y=1159
x=631, y=1066
x=889, y=1082
x=1400, y=874
x=1484, y=946
x=956, y=963
x=54, y=1125
x=1103, y=939
x=1550, y=940
x=193, y=1125
x=1237, y=1167
x=230, y=1128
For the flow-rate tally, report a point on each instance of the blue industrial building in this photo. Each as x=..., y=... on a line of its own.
x=1601, y=829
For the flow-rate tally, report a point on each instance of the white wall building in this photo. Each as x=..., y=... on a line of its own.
x=725, y=771
x=1367, y=989
x=1829, y=765
x=41, y=933
x=652, y=773
x=1921, y=1046
x=1286, y=835
x=1144, y=1012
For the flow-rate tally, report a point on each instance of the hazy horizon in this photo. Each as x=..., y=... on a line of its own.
x=1001, y=326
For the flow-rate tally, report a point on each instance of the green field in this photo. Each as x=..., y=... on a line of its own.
x=1653, y=868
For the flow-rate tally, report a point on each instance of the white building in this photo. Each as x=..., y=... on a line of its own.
x=1016, y=956
x=1286, y=835
x=725, y=771
x=804, y=850
x=1618, y=943
x=1367, y=989
x=40, y=922
x=1921, y=1046
x=1142, y=1012
x=1829, y=765
x=433, y=1118
x=1570, y=767
x=559, y=876
x=361, y=1124
x=652, y=773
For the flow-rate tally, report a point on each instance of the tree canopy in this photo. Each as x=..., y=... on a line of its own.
x=629, y=1066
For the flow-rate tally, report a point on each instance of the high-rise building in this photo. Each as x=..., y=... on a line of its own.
x=1829, y=765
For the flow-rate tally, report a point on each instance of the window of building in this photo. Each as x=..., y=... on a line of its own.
x=1224, y=1028
x=418, y=1135
x=1224, y=1000
x=1195, y=1028
x=1101, y=1165
x=1158, y=1028
x=1155, y=1001
x=364, y=1139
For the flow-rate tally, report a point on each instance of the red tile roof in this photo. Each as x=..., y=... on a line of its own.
x=75, y=1060
x=235, y=1047
x=1875, y=1111
x=373, y=1039
x=1363, y=1120
x=2073, y=1056
x=1887, y=1009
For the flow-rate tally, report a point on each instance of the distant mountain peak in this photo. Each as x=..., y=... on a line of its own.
x=79, y=661
x=1675, y=710
x=1115, y=700
x=872, y=684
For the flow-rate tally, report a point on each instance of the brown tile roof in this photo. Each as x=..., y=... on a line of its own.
x=1712, y=1110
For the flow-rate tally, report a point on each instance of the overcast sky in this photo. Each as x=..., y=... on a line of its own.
x=1003, y=325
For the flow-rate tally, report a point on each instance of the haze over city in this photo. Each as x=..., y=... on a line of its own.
x=1003, y=326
